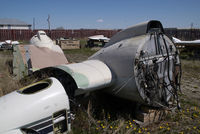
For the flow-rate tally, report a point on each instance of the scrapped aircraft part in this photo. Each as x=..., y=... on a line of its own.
x=139, y=64
x=178, y=41
x=145, y=64
x=78, y=78
x=99, y=38
x=43, y=41
x=35, y=110
x=29, y=58
x=89, y=75
x=40, y=54
x=191, y=48
x=8, y=44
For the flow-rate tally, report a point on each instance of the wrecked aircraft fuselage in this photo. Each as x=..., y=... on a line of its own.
x=139, y=64
x=144, y=63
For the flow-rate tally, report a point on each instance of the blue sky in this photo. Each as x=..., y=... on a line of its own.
x=102, y=14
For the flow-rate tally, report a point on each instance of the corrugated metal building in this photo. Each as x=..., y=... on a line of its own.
x=13, y=24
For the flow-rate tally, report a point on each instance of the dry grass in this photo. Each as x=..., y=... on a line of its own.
x=7, y=83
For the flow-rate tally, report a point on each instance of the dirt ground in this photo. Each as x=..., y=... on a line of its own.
x=191, y=79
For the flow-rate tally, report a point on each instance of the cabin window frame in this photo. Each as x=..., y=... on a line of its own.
x=33, y=86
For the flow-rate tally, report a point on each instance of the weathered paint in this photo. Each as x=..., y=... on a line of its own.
x=80, y=79
x=89, y=75
x=19, y=64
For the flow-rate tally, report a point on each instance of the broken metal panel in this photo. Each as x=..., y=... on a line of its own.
x=44, y=57
x=19, y=62
x=29, y=58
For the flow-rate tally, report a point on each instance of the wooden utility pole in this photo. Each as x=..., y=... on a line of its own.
x=48, y=20
x=191, y=27
x=33, y=23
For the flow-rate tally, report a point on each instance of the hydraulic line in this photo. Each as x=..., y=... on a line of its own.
x=171, y=82
x=158, y=89
x=158, y=43
x=156, y=46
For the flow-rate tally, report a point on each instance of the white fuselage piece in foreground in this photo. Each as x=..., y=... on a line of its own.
x=31, y=109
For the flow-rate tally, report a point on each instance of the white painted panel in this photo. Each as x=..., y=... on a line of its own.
x=19, y=109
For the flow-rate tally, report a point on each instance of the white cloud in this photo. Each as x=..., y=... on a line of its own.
x=100, y=20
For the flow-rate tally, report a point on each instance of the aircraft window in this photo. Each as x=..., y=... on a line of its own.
x=42, y=34
x=35, y=87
